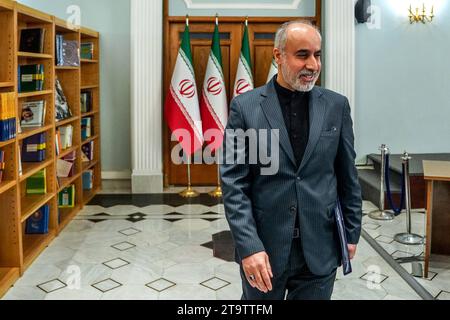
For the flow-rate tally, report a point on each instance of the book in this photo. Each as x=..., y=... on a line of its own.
x=38, y=222
x=70, y=53
x=65, y=167
x=66, y=134
x=86, y=101
x=66, y=198
x=67, y=52
x=31, y=77
x=32, y=40
x=86, y=131
x=87, y=50
x=62, y=109
x=7, y=116
x=37, y=183
x=88, y=182
x=33, y=114
x=34, y=148
x=87, y=151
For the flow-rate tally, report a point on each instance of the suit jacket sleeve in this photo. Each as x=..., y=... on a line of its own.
x=349, y=189
x=236, y=187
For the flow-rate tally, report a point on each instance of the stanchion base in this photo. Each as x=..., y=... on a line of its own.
x=408, y=238
x=216, y=193
x=382, y=215
x=189, y=193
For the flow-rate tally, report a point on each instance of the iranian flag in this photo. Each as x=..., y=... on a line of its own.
x=181, y=108
x=244, y=77
x=213, y=105
x=273, y=70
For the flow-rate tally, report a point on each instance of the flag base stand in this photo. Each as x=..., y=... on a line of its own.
x=381, y=215
x=189, y=193
x=216, y=193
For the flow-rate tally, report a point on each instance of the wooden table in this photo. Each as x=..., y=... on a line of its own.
x=437, y=176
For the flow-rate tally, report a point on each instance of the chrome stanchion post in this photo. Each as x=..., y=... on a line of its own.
x=381, y=214
x=408, y=237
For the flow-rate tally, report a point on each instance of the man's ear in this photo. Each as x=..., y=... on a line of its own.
x=277, y=55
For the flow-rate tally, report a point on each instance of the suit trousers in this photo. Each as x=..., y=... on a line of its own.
x=295, y=283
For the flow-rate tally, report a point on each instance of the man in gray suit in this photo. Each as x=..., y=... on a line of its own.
x=283, y=224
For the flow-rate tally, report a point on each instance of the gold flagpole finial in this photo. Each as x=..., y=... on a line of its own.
x=246, y=20
x=187, y=20
x=217, y=18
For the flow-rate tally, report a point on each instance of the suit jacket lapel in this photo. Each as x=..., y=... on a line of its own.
x=272, y=110
x=317, y=110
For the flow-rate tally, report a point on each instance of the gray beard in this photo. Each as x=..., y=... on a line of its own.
x=294, y=81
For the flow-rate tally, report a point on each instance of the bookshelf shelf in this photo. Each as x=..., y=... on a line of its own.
x=28, y=169
x=32, y=203
x=28, y=132
x=67, y=151
x=34, y=94
x=33, y=245
x=90, y=113
x=66, y=121
x=89, y=165
x=66, y=68
x=7, y=278
x=6, y=143
x=87, y=87
x=34, y=55
x=67, y=215
x=6, y=185
x=89, y=194
x=65, y=182
x=89, y=139
x=6, y=84
x=18, y=249
x=89, y=61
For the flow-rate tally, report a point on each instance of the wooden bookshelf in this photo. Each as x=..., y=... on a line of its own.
x=18, y=249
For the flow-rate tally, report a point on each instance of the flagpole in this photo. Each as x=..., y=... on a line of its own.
x=217, y=192
x=189, y=192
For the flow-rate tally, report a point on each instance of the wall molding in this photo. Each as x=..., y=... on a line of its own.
x=116, y=175
x=245, y=5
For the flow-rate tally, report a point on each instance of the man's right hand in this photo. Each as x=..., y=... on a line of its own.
x=258, y=271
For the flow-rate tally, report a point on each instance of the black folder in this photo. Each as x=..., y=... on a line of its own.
x=346, y=264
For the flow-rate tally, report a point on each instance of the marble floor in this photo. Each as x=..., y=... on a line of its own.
x=159, y=247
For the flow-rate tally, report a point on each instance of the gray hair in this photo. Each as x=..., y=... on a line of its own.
x=281, y=35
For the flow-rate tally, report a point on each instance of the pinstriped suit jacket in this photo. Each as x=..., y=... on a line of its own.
x=261, y=209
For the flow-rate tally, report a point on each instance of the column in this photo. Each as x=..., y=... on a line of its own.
x=340, y=48
x=146, y=95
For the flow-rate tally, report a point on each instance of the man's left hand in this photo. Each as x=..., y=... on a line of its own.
x=352, y=250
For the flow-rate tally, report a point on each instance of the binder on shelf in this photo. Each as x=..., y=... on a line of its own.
x=87, y=50
x=88, y=180
x=67, y=52
x=37, y=183
x=34, y=148
x=31, y=77
x=7, y=116
x=87, y=151
x=65, y=136
x=66, y=198
x=86, y=101
x=86, y=124
x=38, y=222
x=33, y=114
x=32, y=40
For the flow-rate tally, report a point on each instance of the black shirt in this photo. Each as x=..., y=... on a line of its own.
x=295, y=109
